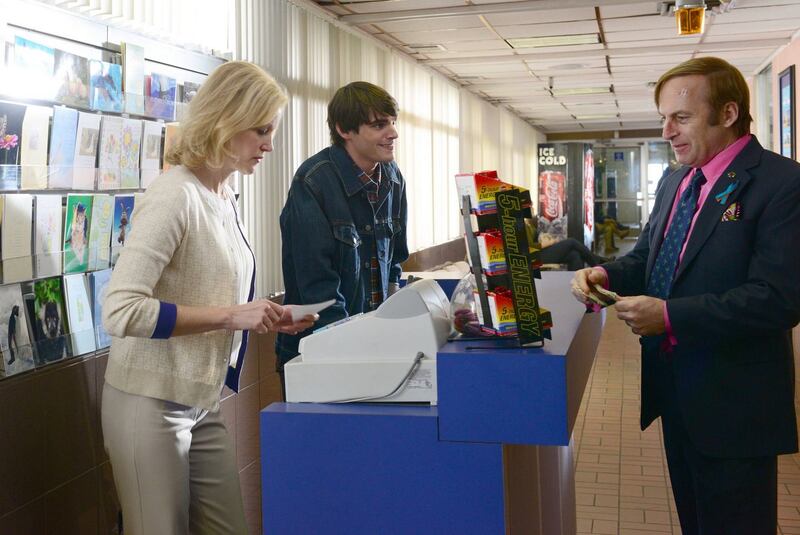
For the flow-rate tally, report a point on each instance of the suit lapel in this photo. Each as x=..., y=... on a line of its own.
x=712, y=210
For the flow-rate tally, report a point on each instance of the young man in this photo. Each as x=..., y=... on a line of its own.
x=713, y=292
x=344, y=221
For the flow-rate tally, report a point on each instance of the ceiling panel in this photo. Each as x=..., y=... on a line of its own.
x=718, y=36
x=489, y=2
x=474, y=48
x=582, y=111
x=644, y=110
x=453, y=23
x=445, y=36
x=648, y=22
x=634, y=36
x=653, y=61
x=510, y=84
x=337, y=10
x=737, y=56
x=757, y=14
x=543, y=108
x=546, y=30
x=513, y=69
x=746, y=4
x=628, y=10
x=533, y=87
x=498, y=77
x=596, y=75
x=654, y=46
x=575, y=49
x=542, y=17
x=558, y=65
x=606, y=98
x=447, y=55
x=640, y=45
x=371, y=6
x=738, y=28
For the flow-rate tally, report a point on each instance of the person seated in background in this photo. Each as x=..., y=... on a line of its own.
x=608, y=227
x=568, y=251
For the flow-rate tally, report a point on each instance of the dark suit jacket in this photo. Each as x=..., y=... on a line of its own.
x=734, y=301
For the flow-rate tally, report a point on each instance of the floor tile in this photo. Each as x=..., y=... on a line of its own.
x=622, y=483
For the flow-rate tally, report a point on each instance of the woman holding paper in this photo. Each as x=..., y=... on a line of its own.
x=179, y=306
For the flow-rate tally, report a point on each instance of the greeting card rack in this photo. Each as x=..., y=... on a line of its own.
x=84, y=126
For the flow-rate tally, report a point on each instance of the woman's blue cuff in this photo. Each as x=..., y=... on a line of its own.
x=167, y=316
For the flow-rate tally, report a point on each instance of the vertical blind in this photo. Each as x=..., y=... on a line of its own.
x=442, y=129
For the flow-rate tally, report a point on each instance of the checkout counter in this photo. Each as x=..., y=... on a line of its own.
x=490, y=454
x=351, y=361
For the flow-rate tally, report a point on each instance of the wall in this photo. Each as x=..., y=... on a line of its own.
x=55, y=477
x=752, y=86
x=790, y=55
x=442, y=129
x=55, y=474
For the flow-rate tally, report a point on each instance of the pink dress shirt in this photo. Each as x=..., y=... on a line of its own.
x=712, y=170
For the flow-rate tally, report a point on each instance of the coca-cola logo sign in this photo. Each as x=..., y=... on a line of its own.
x=553, y=201
x=551, y=194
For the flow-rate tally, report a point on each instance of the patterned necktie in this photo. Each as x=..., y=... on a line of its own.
x=660, y=282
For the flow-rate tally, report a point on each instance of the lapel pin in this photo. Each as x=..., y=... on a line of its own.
x=731, y=175
x=722, y=197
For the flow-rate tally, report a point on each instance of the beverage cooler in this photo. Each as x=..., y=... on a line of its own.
x=566, y=192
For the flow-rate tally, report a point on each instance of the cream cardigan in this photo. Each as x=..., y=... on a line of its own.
x=177, y=253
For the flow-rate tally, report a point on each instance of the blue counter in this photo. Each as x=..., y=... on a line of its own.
x=469, y=465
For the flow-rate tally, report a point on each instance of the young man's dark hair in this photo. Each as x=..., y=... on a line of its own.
x=352, y=105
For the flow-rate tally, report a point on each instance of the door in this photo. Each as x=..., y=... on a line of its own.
x=618, y=184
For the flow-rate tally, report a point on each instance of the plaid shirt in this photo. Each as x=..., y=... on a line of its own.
x=328, y=209
x=376, y=190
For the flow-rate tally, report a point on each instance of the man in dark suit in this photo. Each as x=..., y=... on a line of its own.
x=713, y=289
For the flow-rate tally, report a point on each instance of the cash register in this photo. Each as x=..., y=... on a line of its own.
x=387, y=355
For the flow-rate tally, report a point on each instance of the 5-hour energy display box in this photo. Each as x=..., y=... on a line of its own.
x=481, y=188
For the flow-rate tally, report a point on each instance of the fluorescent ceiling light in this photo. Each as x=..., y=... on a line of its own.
x=564, y=91
x=426, y=47
x=555, y=40
x=578, y=104
x=569, y=67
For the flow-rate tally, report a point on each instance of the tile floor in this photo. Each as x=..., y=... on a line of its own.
x=622, y=484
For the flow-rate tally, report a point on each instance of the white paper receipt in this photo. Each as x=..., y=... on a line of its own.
x=299, y=311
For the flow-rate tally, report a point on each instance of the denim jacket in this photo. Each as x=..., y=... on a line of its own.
x=329, y=228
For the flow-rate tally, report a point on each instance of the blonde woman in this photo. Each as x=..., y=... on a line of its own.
x=179, y=306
